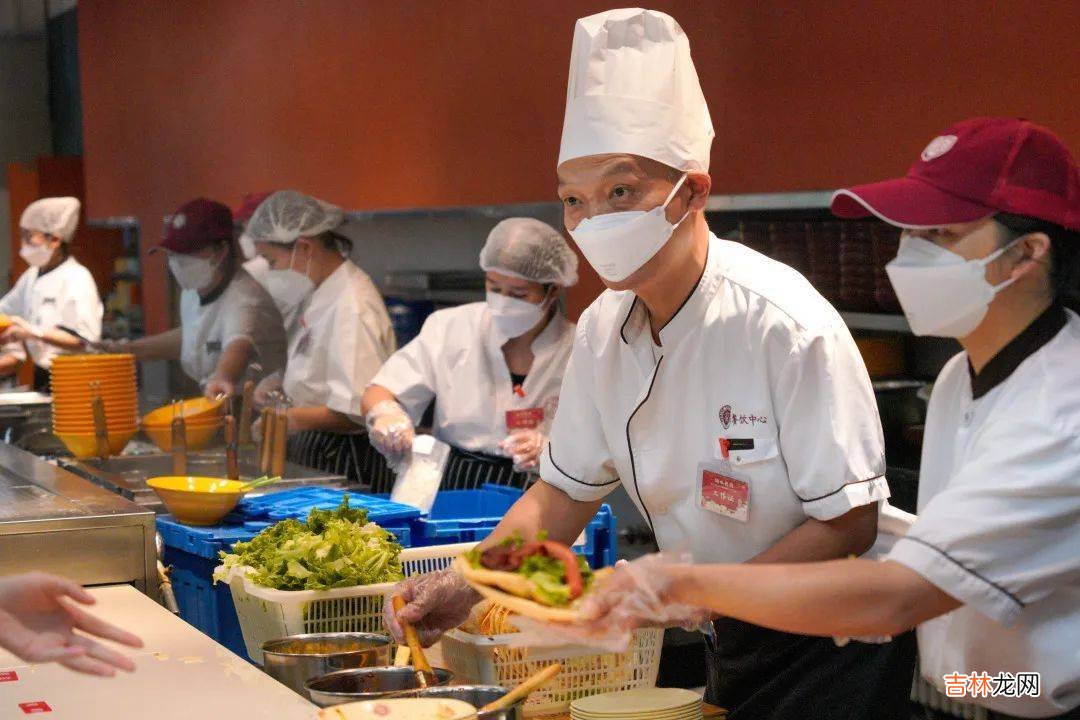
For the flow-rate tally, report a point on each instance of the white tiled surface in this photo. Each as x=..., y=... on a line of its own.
x=181, y=675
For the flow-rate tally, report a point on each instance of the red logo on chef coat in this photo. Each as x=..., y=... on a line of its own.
x=9, y=676
x=729, y=417
x=33, y=708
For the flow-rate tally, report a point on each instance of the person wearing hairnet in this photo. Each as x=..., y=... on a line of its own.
x=54, y=306
x=989, y=570
x=228, y=323
x=341, y=337
x=493, y=368
x=713, y=383
x=287, y=303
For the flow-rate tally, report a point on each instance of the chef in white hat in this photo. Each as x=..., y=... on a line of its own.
x=54, y=306
x=716, y=385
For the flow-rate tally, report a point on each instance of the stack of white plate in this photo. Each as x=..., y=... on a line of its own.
x=651, y=703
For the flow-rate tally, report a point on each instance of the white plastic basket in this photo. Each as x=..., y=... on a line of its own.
x=488, y=660
x=268, y=614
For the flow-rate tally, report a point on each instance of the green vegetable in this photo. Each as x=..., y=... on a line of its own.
x=332, y=549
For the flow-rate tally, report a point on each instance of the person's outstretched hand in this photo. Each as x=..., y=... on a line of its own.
x=39, y=617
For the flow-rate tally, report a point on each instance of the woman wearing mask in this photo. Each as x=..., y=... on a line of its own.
x=259, y=268
x=494, y=369
x=227, y=320
x=54, y=306
x=341, y=337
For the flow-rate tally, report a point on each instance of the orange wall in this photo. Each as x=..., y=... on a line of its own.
x=376, y=104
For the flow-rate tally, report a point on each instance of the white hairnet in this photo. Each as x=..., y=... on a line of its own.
x=287, y=215
x=531, y=250
x=57, y=216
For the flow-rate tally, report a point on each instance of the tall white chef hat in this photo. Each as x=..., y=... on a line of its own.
x=57, y=216
x=633, y=89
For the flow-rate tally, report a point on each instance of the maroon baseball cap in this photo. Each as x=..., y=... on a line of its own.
x=248, y=204
x=975, y=169
x=197, y=225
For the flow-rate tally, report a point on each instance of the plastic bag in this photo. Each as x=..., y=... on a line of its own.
x=419, y=477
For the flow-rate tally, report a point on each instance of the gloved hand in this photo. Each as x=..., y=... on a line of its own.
x=435, y=602
x=216, y=386
x=524, y=447
x=267, y=387
x=19, y=330
x=636, y=595
x=390, y=430
x=38, y=623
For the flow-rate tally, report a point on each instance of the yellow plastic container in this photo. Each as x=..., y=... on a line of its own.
x=199, y=407
x=84, y=445
x=198, y=435
x=197, y=500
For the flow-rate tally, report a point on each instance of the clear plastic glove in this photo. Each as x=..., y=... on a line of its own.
x=634, y=596
x=216, y=386
x=435, y=603
x=267, y=389
x=524, y=447
x=390, y=430
x=39, y=620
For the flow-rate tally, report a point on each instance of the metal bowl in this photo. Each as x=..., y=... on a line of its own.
x=294, y=660
x=478, y=696
x=368, y=684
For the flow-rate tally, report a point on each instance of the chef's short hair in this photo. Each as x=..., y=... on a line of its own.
x=1064, y=253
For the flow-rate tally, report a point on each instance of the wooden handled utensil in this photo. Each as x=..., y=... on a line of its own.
x=179, y=442
x=419, y=661
x=101, y=428
x=523, y=690
x=281, y=440
x=232, y=462
x=247, y=405
x=266, y=448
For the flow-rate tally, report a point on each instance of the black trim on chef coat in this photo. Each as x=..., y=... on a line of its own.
x=1041, y=331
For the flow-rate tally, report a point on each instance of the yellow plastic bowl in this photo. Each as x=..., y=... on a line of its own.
x=197, y=500
x=197, y=436
x=199, y=407
x=93, y=359
x=5, y=322
x=84, y=445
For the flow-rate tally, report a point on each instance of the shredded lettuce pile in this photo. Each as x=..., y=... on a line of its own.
x=332, y=549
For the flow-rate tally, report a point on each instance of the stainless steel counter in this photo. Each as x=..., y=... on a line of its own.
x=127, y=474
x=55, y=521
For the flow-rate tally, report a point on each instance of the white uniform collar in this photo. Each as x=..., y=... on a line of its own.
x=331, y=288
x=686, y=319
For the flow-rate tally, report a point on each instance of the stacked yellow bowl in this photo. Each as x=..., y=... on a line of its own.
x=202, y=420
x=75, y=381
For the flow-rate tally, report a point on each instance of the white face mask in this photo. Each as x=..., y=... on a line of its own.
x=617, y=244
x=512, y=317
x=36, y=255
x=942, y=294
x=289, y=287
x=192, y=273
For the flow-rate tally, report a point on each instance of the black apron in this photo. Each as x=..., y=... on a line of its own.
x=757, y=673
x=351, y=455
x=468, y=470
x=1073, y=714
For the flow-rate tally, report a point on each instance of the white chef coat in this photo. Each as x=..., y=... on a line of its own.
x=259, y=268
x=66, y=296
x=998, y=526
x=754, y=355
x=343, y=336
x=243, y=310
x=457, y=359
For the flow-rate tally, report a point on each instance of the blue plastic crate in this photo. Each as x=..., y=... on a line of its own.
x=297, y=503
x=471, y=515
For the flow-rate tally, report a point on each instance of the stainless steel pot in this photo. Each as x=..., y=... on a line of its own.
x=294, y=660
x=478, y=696
x=368, y=684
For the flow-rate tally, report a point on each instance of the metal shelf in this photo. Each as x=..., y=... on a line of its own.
x=876, y=321
x=814, y=200
x=455, y=297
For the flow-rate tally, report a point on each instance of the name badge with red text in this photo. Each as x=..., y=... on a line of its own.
x=722, y=491
x=524, y=419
